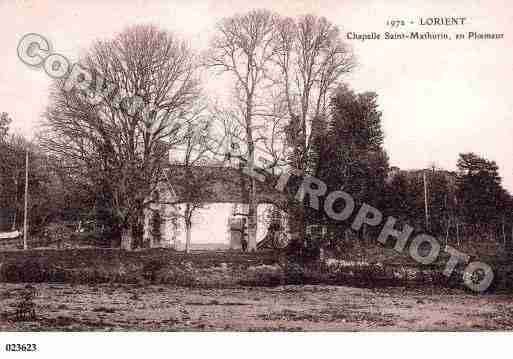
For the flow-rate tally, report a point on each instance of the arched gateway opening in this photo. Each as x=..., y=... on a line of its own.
x=223, y=190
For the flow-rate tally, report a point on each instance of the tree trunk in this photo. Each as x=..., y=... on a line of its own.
x=302, y=222
x=252, y=201
x=252, y=217
x=511, y=239
x=458, y=232
x=126, y=239
x=188, y=226
x=297, y=223
x=14, y=219
x=447, y=233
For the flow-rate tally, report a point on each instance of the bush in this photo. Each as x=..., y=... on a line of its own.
x=263, y=276
x=57, y=233
x=151, y=269
x=174, y=275
x=97, y=239
x=294, y=273
x=27, y=272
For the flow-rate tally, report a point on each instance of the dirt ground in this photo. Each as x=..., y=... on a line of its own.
x=288, y=308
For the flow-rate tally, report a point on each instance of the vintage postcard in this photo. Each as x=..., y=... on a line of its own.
x=272, y=166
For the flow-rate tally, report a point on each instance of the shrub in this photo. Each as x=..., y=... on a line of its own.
x=294, y=273
x=27, y=272
x=58, y=233
x=263, y=276
x=151, y=269
x=174, y=275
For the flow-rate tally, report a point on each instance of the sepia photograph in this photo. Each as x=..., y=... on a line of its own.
x=274, y=166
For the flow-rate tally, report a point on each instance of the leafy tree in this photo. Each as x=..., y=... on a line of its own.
x=351, y=155
x=479, y=191
x=483, y=204
x=48, y=201
x=441, y=200
x=398, y=200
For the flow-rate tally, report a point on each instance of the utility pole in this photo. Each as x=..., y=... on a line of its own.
x=503, y=230
x=25, y=222
x=426, y=200
x=13, y=228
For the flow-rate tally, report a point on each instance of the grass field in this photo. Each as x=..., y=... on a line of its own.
x=123, y=307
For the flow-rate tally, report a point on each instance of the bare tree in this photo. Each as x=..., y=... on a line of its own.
x=243, y=49
x=5, y=121
x=114, y=121
x=195, y=152
x=311, y=60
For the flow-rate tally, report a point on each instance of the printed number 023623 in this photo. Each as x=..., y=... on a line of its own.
x=20, y=347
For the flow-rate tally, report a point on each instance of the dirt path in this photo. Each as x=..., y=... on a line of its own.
x=288, y=308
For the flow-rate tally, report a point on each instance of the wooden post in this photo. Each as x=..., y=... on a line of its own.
x=458, y=232
x=448, y=227
x=188, y=227
x=426, y=201
x=13, y=228
x=25, y=222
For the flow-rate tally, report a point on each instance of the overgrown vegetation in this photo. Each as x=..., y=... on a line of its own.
x=221, y=270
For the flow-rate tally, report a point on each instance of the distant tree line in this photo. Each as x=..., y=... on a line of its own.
x=53, y=194
x=347, y=154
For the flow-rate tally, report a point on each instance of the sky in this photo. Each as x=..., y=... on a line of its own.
x=438, y=98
